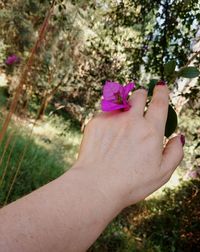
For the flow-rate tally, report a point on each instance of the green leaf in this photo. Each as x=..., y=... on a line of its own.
x=172, y=122
x=189, y=72
x=151, y=86
x=169, y=67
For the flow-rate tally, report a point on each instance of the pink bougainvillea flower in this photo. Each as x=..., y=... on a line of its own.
x=12, y=59
x=115, y=96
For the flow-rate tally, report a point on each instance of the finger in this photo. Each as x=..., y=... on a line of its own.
x=172, y=154
x=138, y=101
x=158, y=108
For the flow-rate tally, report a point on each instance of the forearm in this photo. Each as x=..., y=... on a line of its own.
x=68, y=214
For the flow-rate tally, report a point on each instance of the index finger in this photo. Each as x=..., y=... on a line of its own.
x=158, y=108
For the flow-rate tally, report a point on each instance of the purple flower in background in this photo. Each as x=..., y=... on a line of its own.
x=193, y=174
x=115, y=96
x=12, y=59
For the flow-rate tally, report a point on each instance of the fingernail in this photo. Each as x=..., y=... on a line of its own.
x=161, y=83
x=182, y=138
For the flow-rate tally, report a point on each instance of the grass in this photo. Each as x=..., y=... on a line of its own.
x=48, y=155
x=58, y=136
x=172, y=222
x=168, y=223
x=51, y=149
x=38, y=167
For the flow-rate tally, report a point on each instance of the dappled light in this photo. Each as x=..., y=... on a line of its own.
x=167, y=223
x=55, y=57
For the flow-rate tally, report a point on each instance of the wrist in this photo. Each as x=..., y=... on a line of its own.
x=93, y=204
x=98, y=185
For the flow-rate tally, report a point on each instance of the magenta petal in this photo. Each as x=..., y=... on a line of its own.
x=110, y=89
x=129, y=87
x=127, y=106
x=12, y=59
x=110, y=106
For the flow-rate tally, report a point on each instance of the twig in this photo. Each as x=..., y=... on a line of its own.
x=192, y=58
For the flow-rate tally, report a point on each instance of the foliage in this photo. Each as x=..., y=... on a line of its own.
x=43, y=167
x=86, y=44
x=50, y=151
x=3, y=48
x=136, y=39
x=3, y=96
x=151, y=36
x=169, y=223
x=175, y=227
x=189, y=72
x=191, y=159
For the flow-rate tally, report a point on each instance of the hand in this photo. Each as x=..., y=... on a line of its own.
x=124, y=150
x=121, y=161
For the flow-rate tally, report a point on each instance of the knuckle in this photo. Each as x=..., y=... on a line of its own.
x=141, y=91
x=90, y=124
x=160, y=102
x=167, y=177
x=138, y=94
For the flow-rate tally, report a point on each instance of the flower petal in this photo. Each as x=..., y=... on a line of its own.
x=129, y=87
x=12, y=59
x=110, y=106
x=109, y=90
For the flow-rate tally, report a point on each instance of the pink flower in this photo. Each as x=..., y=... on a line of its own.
x=12, y=59
x=115, y=96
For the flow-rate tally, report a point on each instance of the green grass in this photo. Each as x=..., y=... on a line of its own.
x=39, y=166
x=169, y=223
x=172, y=222
x=50, y=151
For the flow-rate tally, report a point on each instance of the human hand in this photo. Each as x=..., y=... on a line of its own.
x=124, y=150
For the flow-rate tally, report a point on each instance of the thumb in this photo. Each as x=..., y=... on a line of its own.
x=173, y=154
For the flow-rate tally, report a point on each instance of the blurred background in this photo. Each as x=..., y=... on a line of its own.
x=55, y=57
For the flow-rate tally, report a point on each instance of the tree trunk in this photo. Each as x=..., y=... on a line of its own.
x=47, y=98
x=43, y=106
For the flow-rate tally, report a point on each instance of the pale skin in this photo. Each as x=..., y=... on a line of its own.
x=121, y=161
